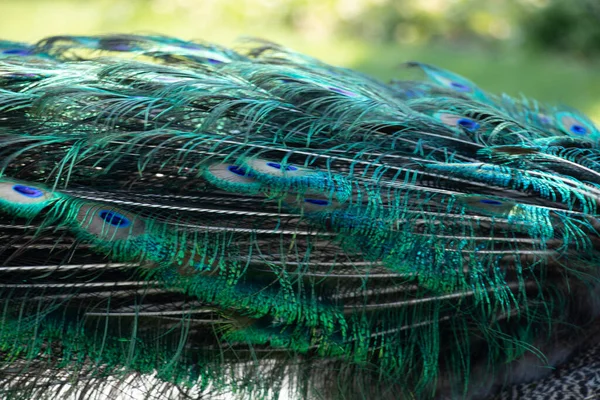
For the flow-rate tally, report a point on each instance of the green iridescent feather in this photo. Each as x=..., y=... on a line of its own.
x=256, y=221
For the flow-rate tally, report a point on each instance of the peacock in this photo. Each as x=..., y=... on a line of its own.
x=185, y=220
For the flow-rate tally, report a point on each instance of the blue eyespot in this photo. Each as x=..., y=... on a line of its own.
x=461, y=87
x=491, y=202
x=468, y=124
x=28, y=191
x=114, y=218
x=214, y=61
x=278, y=166
x=578, y=129
x=238, y=171
x=317, y=202
x=17, y=52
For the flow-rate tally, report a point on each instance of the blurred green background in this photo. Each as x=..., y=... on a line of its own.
x=546, y=49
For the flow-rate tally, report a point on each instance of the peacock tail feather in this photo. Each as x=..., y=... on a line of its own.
x=257, y=222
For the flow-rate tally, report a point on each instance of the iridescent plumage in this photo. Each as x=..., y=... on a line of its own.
x=233, y=221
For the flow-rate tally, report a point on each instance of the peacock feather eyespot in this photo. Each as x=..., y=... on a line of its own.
x=452, y=81
x=114, y=218
x=457, y=121
x=28, y=191
x=578, y=129
x=468, y=124
x=318, y=202
x=461, y=87
x=575, y=124
x=232, y=178
x=17, y=52
x=24, y=196
x=279, y=166
x=238, y=171
x=108, y=223
x=491, y=202
x=487, y=205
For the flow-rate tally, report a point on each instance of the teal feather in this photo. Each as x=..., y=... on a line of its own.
x=233, y=222
x=451, y=81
